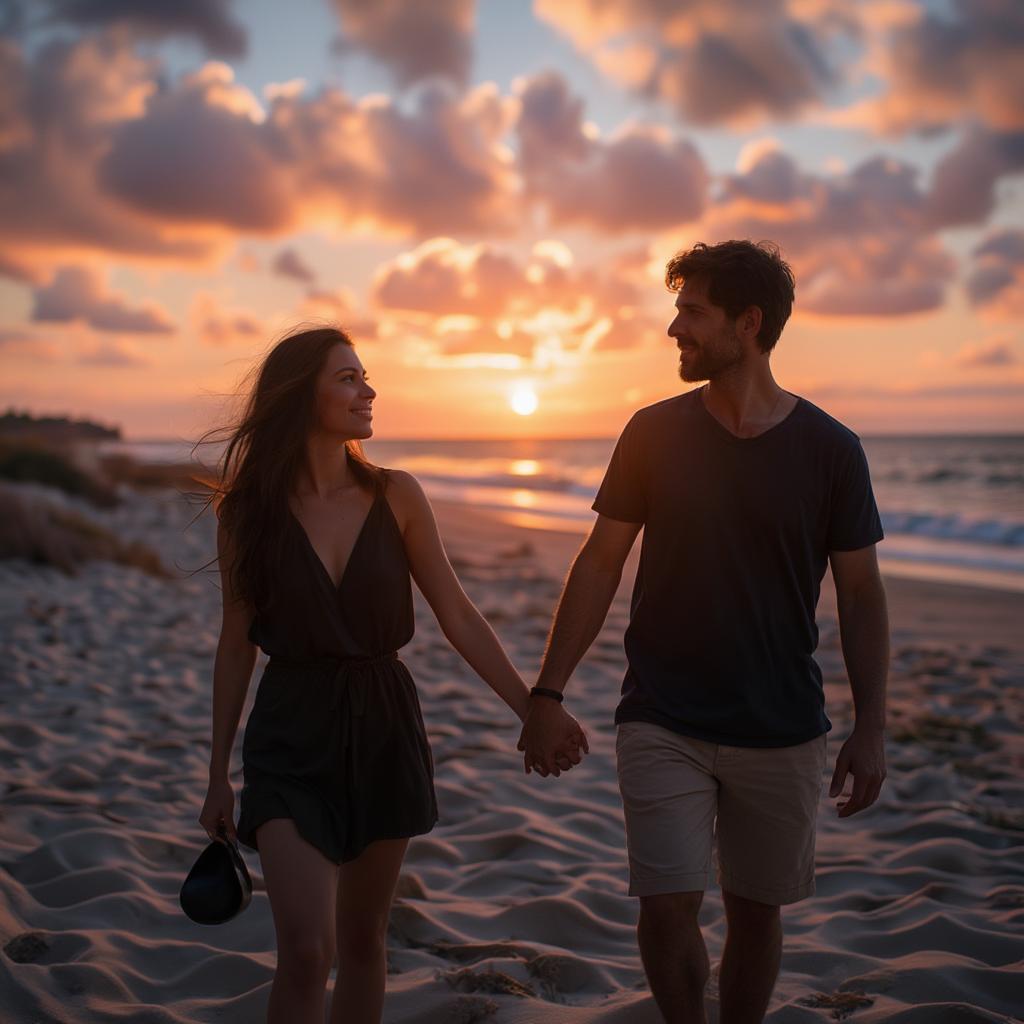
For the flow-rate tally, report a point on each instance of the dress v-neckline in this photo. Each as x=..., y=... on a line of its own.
x=336, y=587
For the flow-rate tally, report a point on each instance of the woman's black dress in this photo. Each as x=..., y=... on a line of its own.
x=335, y=739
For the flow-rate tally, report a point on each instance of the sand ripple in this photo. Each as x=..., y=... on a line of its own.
x=514, y=909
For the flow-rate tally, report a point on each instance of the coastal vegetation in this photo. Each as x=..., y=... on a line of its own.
x=55, y=429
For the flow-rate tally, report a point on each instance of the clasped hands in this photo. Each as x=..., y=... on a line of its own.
x=552, y=740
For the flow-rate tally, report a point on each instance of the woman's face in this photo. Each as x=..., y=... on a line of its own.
x=343, y=395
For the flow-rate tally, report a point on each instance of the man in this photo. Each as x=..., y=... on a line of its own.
x=745, y=492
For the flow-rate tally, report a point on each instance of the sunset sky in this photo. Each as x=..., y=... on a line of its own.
x=485, y=194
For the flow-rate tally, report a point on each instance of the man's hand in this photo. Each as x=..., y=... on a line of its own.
x=863, y=757
x=551, y=738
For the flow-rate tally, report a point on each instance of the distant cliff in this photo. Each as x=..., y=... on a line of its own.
x=22, y=425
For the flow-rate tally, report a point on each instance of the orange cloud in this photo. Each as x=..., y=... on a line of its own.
x=16, y=270
x=111, y=355
x=219, y=327
x=324, y=302
x=17, y=343
x=337, y=308
x=469, y=341
x=475, y=298
x=443, y=277
x=248, y=261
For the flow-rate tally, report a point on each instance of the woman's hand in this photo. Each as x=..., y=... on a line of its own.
x=464, y=626
x=219, y=808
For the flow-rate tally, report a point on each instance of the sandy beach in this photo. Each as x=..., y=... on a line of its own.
x=514, y=909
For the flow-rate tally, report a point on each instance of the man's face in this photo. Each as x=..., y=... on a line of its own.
x=706, y=337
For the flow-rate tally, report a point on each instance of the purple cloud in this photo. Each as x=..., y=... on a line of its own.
x=210, y=22
x=639, y=177
x=413, y=40
x=963, y=63
x=288, y=263
x=78, y=294
x=112, y=356
x=860, y=241
x=996, y=281
x=714, y=61
x=997, y=352
x=963, y=187
x=57, y=113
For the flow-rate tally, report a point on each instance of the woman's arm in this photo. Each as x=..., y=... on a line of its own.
x=232, y=670
x=465, y=628
x=582, y=609
x=232, y=666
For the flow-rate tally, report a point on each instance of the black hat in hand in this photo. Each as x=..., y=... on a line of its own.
x=218, y=887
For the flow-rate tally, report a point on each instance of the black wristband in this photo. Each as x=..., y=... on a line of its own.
x=543, y=691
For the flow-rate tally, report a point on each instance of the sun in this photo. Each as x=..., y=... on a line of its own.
x=523, y=400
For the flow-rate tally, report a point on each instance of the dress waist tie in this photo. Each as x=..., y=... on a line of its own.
x=344, y=695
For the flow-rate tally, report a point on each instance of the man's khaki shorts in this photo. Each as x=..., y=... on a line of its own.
x=759, y=803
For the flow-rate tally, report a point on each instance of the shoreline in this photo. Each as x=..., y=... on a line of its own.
x=956, y=612
x=933, y=558
x=946, y=519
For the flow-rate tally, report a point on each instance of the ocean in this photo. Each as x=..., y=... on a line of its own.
x=952, y=507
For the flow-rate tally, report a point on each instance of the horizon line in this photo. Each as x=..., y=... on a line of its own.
x=1009, y=434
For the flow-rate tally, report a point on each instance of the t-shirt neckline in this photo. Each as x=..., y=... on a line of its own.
x=727, y=433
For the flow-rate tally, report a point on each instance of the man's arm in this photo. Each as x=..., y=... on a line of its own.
x=582, y=608
x=864, y=631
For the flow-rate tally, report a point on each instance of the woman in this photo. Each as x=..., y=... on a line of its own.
x=316, y=547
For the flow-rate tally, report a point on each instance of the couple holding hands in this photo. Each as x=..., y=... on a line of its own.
x=746, y=494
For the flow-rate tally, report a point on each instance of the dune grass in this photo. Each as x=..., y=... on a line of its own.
x=45, y=534
x=33, y=462
x=186, y=478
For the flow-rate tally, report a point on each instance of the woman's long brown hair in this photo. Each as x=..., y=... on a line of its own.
x=266, y=448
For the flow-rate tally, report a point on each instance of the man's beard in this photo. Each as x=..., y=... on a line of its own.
x=707, y=361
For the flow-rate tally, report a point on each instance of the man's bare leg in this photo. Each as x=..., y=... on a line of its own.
x=674, y=955
x=750, y=961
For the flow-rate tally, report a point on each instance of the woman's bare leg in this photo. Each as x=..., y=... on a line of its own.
x=302, y=885
x=366, y=887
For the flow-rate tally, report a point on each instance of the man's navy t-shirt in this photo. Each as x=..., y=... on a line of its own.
x=737, y=532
